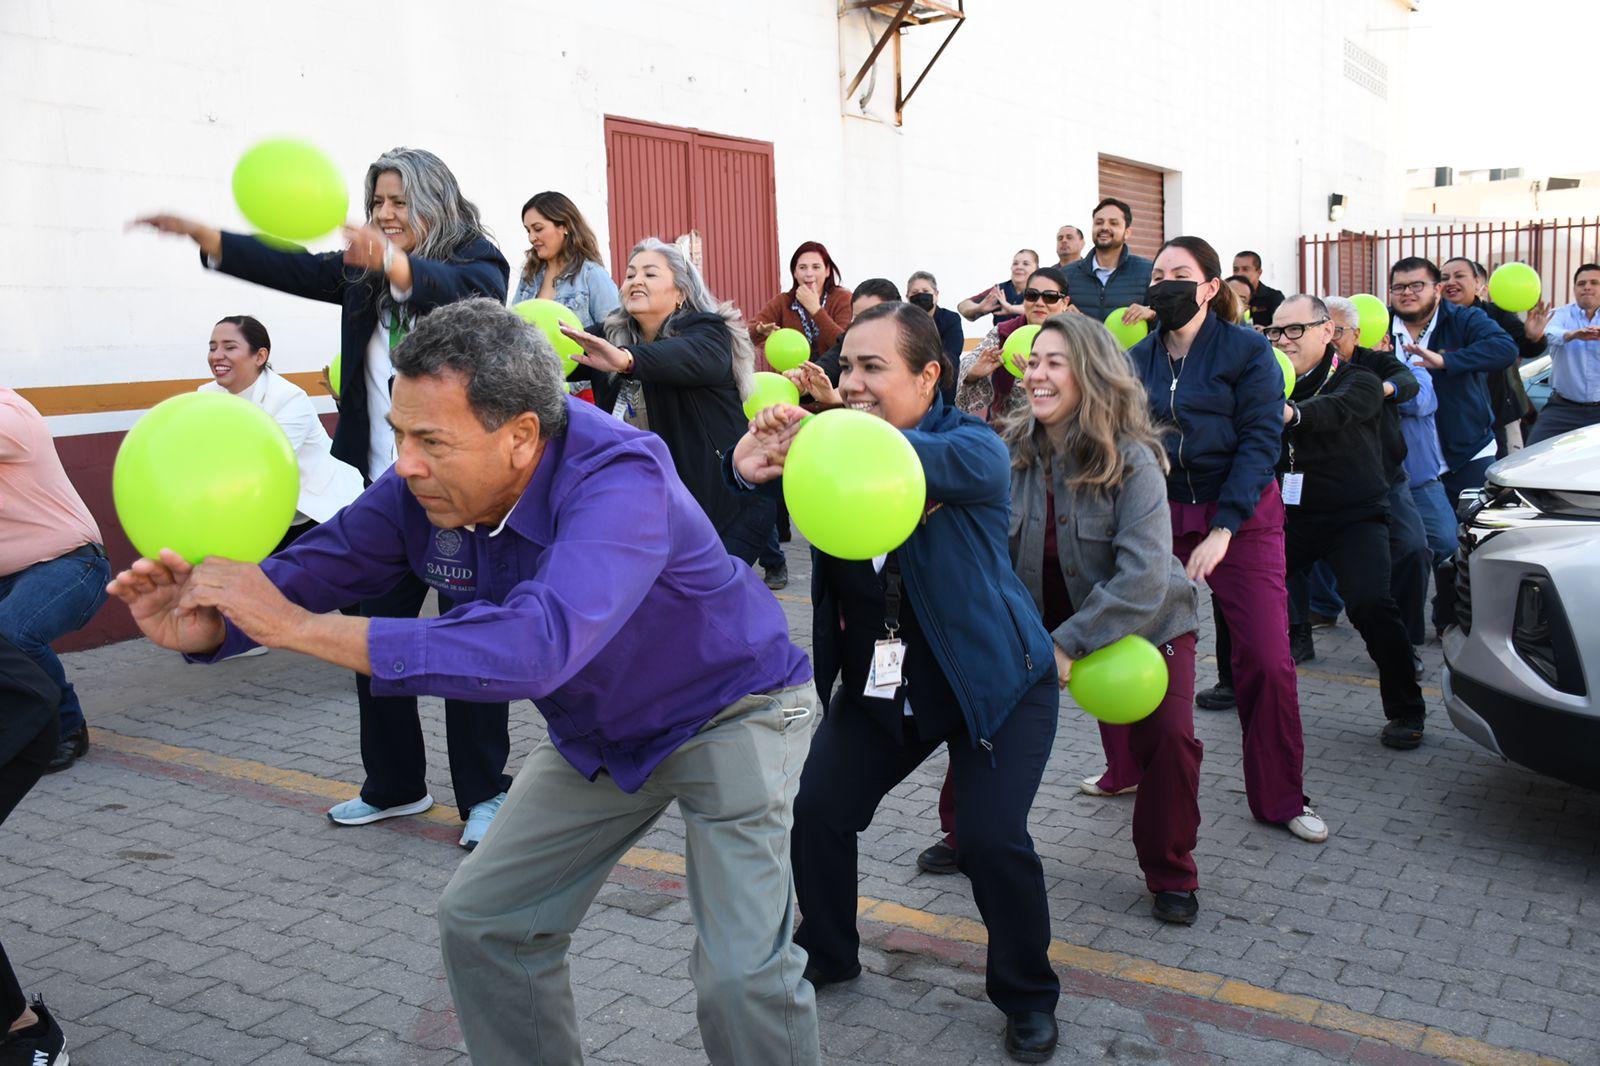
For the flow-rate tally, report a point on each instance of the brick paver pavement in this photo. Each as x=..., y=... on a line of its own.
x=178, y=897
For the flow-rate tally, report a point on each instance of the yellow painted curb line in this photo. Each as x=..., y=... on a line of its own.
x=1424, y=1039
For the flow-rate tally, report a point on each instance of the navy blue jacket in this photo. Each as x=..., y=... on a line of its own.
x=1474, y=348
x=978, y=617
x=1225, y=418
x=951, y=335
x=477, y=269
x=1127, y=284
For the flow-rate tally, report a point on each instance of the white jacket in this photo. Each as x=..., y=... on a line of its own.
x=326, y=483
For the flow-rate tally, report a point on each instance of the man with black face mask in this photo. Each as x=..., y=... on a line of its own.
x=922, y=290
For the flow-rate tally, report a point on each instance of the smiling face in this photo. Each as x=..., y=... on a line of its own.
x=1459, y=284
x=1023, y=264
x=547, y=239
x=874, y=377
x=233, y=365
x=649, y=293
x=1038, y=309
x=1414, y=294
x=1052, y=388
x=810, y=270
x=1307, y=350
x=1110, y=228
x=390, y=211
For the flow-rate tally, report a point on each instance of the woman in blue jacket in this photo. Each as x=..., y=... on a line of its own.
x=422, y=246
x=979, y=673
x=1217, y=390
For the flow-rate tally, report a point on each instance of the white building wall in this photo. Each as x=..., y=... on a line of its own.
x=117, y=107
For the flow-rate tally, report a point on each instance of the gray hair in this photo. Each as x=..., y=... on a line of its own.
x=1343, y=310
x=442, y=218
x=922, y=275
x=509, y=365
x=1317, y=306
x=622, y=330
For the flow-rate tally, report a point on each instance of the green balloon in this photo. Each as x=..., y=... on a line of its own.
x=206, y=473
x=548, y=316
x=290, y=189
x=1122, y=682
x=854, y=484
x=787, y=349
x=336, y=373
x=768, y=389
x=1374, y=317
x=1127, y=335
x=1288, y=373
x=1514, y=287
x=1018, y=349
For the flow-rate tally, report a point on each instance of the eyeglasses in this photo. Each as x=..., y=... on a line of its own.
x=1413, y=287
x=1046, y=296
x=1294, y=332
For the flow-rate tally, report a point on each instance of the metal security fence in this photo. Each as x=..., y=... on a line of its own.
x=1349, y=262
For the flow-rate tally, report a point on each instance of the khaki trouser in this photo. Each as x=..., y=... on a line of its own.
x=507, y=917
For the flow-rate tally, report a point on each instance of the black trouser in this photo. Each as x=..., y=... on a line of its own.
x=478, y=735
x=29, y=728
x=751, y=534
x=1357, y=549
x=853, y=764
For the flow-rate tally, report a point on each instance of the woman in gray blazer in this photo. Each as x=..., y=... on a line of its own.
x=1091, y=538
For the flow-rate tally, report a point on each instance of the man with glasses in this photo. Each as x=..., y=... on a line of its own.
x=1335, y=494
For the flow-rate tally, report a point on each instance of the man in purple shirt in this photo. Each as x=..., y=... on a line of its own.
x=588, y=580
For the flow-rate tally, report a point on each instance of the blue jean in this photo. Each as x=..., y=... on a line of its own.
x=1316, y=590
x=1439, y=522
x=45, y=602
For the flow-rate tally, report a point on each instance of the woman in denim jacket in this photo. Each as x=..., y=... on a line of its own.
x=563, y=262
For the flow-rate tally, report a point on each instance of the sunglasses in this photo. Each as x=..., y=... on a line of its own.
x=1040, y=294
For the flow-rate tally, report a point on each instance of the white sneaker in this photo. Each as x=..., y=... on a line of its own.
x=1090, y=786
x=359, y=812
x=1308, y=827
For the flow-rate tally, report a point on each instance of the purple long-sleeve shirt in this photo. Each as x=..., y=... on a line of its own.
x=605, y=597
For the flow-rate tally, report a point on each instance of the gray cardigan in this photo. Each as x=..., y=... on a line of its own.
x=1115, y=553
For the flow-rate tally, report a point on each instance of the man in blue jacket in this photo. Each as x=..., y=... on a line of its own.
x=1113, y=276
x=1461, y=348
x=672, y=679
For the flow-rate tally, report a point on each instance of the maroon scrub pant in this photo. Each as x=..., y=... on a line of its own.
x=1249, y=586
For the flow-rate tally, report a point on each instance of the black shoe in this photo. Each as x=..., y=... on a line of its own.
x=40, y=1044
x=819, y=979
x=1417, y=669
x=939, y=859
x=1218, y=697
x=1179, y=908
x=1301, y=648
x=1031, y=1035
x=1402, y=733
x=777, y=577
x=73, y=746
x=1322, y=621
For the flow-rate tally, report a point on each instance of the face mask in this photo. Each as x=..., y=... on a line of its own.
x=923, y=300
x=1173, y=302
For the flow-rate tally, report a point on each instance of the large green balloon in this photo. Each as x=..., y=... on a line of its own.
x=1018, y=349
x=1127, y=335
x=548, y=316
x=290, y=189
x=1514, y=287
x=1374, y=317
x=854, y=484
x=1288, y=373
x=768, y=389
x=1122, y=682
x=206, y=473
x=335, y=374
x=787, y=349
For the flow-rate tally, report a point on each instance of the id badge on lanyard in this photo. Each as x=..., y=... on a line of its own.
x=887, y=672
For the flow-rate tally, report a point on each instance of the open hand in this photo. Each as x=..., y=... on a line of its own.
x=759, y=456
x=599, y=352
x=812, y=380
x=154, y=589
x=1208, y=555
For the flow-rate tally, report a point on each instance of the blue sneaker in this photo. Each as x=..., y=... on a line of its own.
x=478, y=820
x=359, y=812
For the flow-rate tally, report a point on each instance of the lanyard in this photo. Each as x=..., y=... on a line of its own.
x=891, y=596
x=397, y=332
x=1333, y=366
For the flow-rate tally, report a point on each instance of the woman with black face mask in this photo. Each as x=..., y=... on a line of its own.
x=1217, y=389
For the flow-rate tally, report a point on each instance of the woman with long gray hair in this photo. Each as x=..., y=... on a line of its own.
x=422, y=246
x=690, y=360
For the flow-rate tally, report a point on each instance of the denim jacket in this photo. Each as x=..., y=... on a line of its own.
x=591, y=295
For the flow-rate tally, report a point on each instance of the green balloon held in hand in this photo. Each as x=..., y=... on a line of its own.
x=290, y=190
x=853, y=484
x=206, y=473
x=1288, y=373
x=1122, y=682
x=1374, y=317
x=1018, y=349
x=787, y=349
x=1514, y=287
x=1127, y=334
x=549, y=316
x=767, y=389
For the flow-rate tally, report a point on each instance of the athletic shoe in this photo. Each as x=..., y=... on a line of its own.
x=1090, y=786
x=359, y=812
x=1402, y=734
x=939, y=859
x=1179, y=908
x=478, y=820
x=1308, y=827
x=40, y=1044
x=777, y=577
x=1218, y=697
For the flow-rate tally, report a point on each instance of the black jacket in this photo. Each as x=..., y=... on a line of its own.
x=1508, y=398
x=1335, y=443
x=1263, y=303
x=476, y=269
x=1390, y=369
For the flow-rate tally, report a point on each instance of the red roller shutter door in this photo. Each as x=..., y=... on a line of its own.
x=1141, y=188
